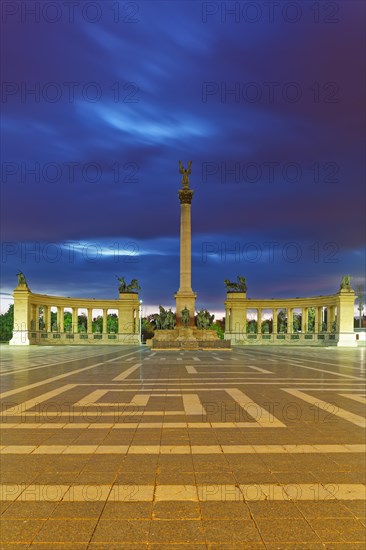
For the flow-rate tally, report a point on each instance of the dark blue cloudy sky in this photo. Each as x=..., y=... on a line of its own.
x=101, y=99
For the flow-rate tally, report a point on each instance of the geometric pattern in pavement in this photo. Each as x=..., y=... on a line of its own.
x=124, y=447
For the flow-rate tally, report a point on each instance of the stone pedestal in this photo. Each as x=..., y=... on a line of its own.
x=21, y=316
x=128, y=317
x=347, y=340
x=188, y=338
x=236, y=312
x=185, y=299
x=345, y=329
x=20, y=338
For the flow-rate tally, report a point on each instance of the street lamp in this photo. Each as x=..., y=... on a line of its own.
x=140, y=321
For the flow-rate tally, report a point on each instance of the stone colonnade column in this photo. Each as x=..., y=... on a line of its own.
x=120, y=320
x=320, y=317
x=316, y=320
x=227, y=319
x=304, y=319
x=105, y=316
x=330, y=318
x=47, y=318
x=35, y=316
x=60, y=318
x=274, y=320
x=75, y=319
x=290, y=320
x=90, y=320
x=259, y=320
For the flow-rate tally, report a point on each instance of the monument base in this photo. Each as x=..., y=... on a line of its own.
x=347, y=340
x=20, y=338
x=185, y=299
x=188, y=338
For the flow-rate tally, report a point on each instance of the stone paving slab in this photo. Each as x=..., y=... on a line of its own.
x=123, y=448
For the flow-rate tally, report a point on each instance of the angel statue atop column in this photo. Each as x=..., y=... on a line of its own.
x=186, y=173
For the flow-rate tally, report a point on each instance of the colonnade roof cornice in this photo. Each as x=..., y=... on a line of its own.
x=309, y=301
x=65, y=301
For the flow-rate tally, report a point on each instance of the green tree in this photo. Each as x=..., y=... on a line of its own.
x=147, y=328
x=297, y=322
x=266, y=326
x=67, y=321
x=82, y=323
x=54, y=323
x=282, y=321
x=97, y=324
x=6, y=324
x=112, y=322
x=219, y=329
x=219, y=326
x=252, y=326
x=311, y=319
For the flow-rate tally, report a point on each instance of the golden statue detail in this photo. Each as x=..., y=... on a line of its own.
x=186, y=173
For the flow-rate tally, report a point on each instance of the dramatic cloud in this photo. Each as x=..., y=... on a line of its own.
x=101, y=99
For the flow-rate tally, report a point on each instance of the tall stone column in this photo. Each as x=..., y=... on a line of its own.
x=304, y=319
x=330, y=318
x=60, y=318
x=21, y=324
x=121, y=321
x=185, y=297
x=47, y=318
x=259, y=320
x=35, y=317
x=75, y=319
x=227, y=319
x=290, y=319
x=320, y=318
x=244, y=324
x=90, y=320
x=105, y=313
x=274, y=320
x=316, y=320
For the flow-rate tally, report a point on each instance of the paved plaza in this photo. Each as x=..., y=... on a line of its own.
x=120, y=447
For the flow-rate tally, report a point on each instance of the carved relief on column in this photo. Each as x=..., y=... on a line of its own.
x=185, y=196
